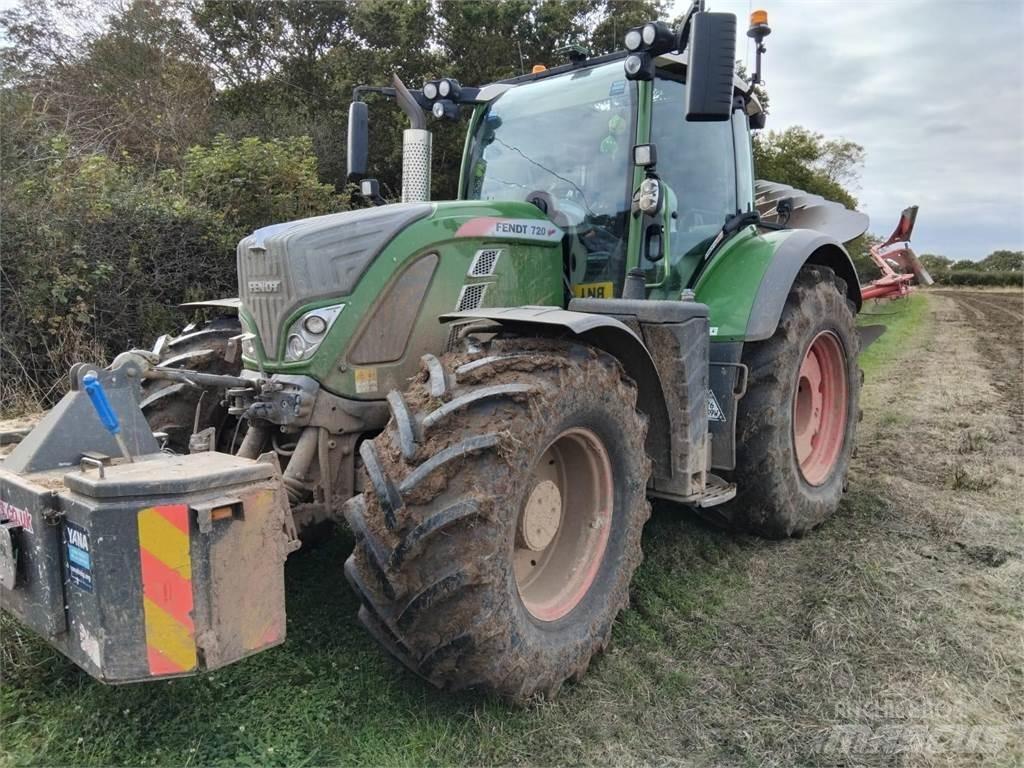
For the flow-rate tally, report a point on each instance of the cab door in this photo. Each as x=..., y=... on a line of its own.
x=708, y=167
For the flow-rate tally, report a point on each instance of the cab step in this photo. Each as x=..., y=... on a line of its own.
x=716, y=491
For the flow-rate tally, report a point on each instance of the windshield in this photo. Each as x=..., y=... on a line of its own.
x=564, y=143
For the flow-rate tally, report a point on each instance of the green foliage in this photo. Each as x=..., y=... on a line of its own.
x=999, y=268
x=1003, y=261
x=983, y=277
x=131, y=85
x=808, y=161
x=97, y=253
x=252, y=183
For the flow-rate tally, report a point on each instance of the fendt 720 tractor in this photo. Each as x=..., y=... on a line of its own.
x=489, y=390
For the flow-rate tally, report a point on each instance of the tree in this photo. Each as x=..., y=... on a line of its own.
x=250, y=41
x=252, y=183
x=1003, y=261
x=938, y=266
x=808, y=161
x=132, y=84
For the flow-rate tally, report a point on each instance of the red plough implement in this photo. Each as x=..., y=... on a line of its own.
x=897, y=262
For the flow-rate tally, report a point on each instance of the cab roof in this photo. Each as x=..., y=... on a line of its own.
x=671, y=61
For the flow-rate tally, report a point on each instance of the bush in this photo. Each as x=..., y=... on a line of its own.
x=96, y=257
x=979, y=277
x=251, y=183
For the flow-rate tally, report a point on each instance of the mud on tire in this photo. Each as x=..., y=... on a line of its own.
x=170, y=407
x=437, y=532
x=774, y=498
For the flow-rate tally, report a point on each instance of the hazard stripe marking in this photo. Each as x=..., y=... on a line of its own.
x=168, y=638
x=166, y=566
x=167, y=589
x=165, y=542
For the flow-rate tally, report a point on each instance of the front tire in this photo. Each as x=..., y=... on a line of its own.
x=796, y=425
x=501, y=528
x=173, y=407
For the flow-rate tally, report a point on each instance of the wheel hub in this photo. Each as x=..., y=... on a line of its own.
x=819, y=408
x=563, y=526
x=541, y=517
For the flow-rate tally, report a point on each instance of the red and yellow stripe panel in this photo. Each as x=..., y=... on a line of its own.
x=167, y=589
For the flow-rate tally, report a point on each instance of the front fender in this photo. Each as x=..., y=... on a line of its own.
x=231, y=305
x=610, y=335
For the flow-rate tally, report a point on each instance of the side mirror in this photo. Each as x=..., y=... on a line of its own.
x=709, y=73
x=358, y=140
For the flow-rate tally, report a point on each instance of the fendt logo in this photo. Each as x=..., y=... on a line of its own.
x=264, y=286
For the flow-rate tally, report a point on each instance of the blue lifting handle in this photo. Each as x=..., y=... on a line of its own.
x=94, y=389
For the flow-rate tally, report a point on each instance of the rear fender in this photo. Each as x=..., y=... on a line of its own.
x=605, y=333
x=804, y=246
x=747, y=282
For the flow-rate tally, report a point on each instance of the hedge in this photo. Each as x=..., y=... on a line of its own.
x=96, y=256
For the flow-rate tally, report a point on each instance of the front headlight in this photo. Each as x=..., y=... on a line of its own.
x=650, y=196
x=308, y=331
x=249, y=345
x=249, y=348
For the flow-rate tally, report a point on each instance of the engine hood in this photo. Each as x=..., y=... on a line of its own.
x=284, y=266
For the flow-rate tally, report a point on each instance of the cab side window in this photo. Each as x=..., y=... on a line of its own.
x=697, y=160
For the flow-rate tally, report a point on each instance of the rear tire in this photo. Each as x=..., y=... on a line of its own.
x=170, y=407
x=796, y=424
x=530, y=450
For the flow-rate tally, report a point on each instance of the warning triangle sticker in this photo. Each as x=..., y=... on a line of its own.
x=715, y=412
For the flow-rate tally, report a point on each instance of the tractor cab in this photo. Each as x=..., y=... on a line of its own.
x=564, y=140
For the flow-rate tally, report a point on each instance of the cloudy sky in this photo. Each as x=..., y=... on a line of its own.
x=933, y=91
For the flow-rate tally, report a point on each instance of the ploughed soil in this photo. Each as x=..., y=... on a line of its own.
x=891, y=635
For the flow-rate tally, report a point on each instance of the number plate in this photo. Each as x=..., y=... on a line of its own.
x=594, y=290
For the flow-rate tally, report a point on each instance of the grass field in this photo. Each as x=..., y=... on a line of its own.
x=735, y=650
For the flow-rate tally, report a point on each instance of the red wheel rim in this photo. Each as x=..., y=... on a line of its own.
x=562, y=530
x=819, y=408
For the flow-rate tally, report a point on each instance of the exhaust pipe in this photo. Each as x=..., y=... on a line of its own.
x=416, y=147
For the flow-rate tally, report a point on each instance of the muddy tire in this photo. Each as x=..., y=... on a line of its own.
x=170, y=407
x=501, y=528
x=796, y=424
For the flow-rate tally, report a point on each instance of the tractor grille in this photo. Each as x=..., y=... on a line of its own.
x=472, y=296
x=484, y=262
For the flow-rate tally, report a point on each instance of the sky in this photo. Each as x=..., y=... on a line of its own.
x=932, y=89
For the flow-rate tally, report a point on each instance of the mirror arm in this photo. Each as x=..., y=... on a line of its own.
x=359, y=90
x=683, y=31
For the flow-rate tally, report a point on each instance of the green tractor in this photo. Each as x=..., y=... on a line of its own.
x=489, y=389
